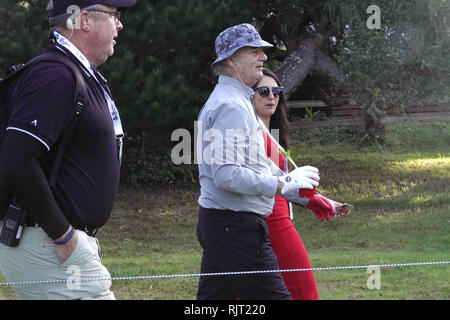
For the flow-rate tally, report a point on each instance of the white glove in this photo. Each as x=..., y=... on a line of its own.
x=301, y=178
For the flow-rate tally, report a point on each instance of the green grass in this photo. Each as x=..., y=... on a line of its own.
x=401, y=194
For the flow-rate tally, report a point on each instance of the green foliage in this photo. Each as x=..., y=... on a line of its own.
x=159, y=75
x=310, y=115
x=328, y=135
x=405, y=62
x=164, y=54
x=151, y=168
x=23, y=31
x=398, y=65
x=435, y=59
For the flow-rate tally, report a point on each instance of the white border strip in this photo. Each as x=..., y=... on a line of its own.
x=34, y=136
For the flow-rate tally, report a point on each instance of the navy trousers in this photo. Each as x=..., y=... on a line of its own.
x=237, y=241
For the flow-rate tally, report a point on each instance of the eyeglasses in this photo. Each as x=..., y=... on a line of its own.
x=116, y=14
x=265, y=91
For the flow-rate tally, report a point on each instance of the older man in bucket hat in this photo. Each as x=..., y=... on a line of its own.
x=238, y=185
x=58, y=248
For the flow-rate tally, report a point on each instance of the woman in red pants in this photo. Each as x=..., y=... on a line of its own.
x=270, y=107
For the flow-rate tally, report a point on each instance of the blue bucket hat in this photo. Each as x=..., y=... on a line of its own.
x=236, y=37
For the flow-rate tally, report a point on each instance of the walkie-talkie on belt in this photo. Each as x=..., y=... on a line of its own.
x=13, y=226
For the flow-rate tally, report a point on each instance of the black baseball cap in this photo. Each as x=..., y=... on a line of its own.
x=60, y=6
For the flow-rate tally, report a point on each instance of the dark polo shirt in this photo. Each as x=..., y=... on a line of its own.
x=41, y=105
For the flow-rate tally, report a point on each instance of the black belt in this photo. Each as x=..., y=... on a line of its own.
x=89, y=231
x=228, y=212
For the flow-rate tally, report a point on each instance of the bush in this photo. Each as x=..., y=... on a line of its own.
x=152, y=169
x=328, y=135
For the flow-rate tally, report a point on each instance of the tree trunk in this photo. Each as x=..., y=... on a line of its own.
x=326, y=65
x=300, y=62
x=297, y=65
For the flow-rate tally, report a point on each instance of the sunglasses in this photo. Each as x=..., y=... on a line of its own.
x=265, y=91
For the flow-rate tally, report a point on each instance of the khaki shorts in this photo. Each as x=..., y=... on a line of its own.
x=35, y=260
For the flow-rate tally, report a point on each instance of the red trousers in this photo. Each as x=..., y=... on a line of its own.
x=286, y=243
x=291, y=253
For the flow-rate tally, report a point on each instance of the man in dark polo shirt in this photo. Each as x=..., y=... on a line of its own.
x=58, y=242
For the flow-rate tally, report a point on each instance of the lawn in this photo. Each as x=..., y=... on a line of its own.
x=401, y=195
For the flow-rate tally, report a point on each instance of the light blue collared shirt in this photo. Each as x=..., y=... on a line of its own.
x=234, y=171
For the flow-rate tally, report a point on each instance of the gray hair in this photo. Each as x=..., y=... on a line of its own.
x=220, y=68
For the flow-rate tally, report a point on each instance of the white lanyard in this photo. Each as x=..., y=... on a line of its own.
x=115, y=117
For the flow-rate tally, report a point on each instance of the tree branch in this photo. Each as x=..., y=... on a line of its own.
x=300, y=62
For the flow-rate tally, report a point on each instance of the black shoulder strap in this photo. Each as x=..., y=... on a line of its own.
x=80, y=100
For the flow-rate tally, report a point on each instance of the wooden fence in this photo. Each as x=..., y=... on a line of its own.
x=352, y=115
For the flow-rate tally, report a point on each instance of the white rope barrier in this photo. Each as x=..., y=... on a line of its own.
x=74, y=280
